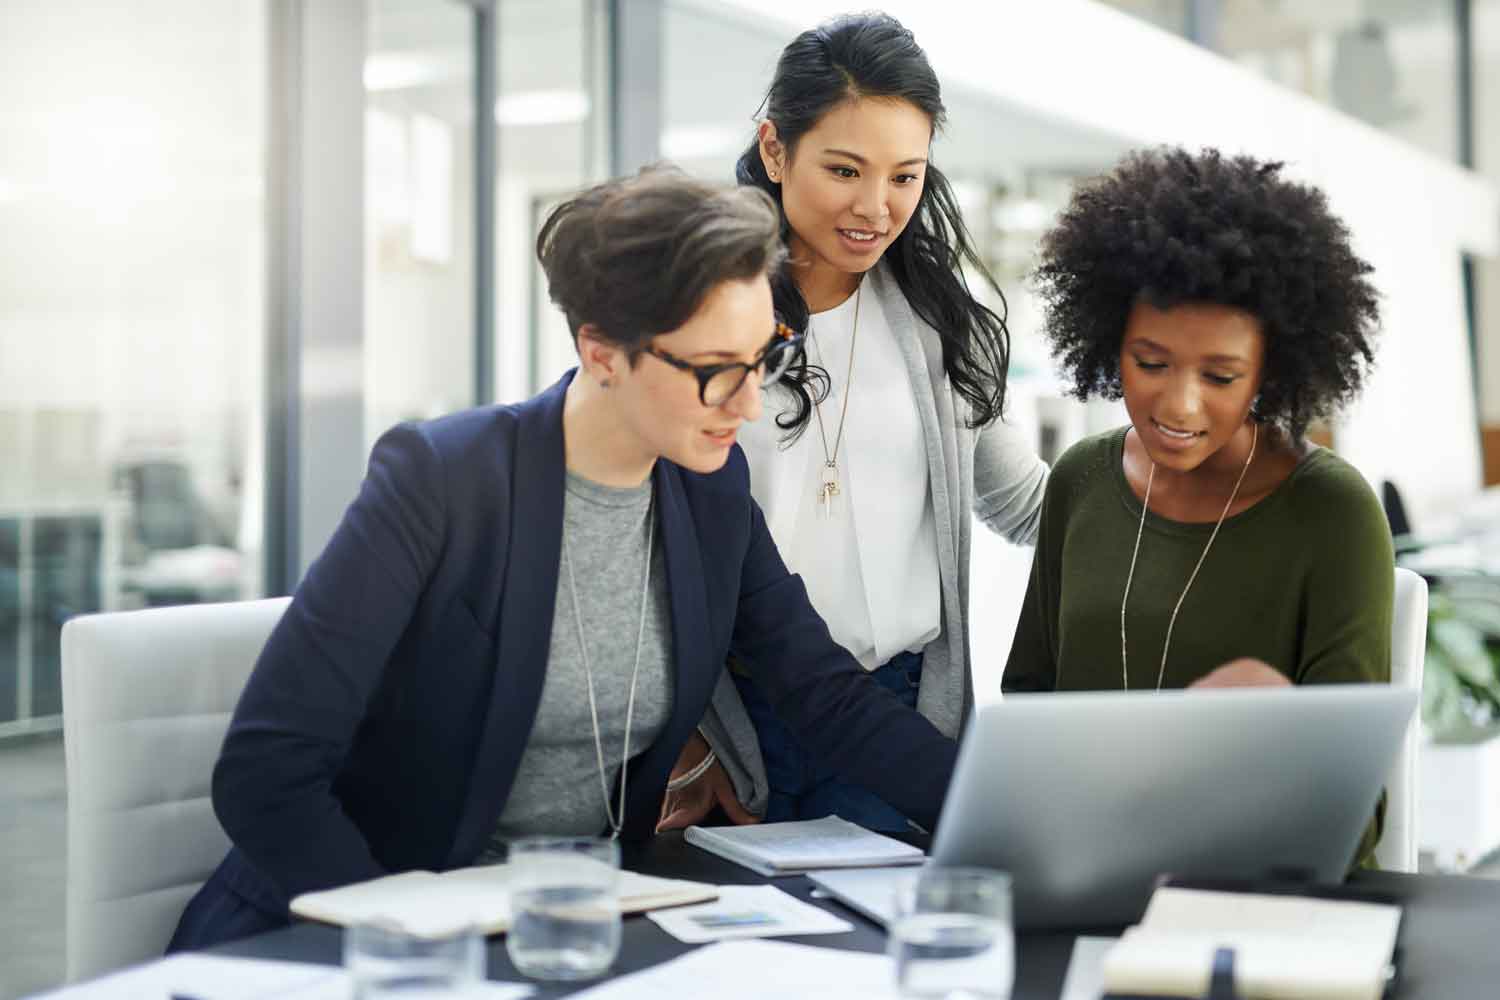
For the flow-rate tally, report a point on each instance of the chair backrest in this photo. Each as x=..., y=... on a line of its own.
x=147, y=697
x=1397, y=850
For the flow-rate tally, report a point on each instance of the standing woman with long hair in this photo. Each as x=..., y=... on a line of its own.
x=877, y=447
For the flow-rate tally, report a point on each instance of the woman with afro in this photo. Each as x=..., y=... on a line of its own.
x=1207, y=542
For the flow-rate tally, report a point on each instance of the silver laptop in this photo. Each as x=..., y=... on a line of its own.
x=1085, y=798
x=870, y=892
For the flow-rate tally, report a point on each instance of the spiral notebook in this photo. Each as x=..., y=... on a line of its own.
x=802, y=846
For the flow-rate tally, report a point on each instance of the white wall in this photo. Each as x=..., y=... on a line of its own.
x=131, y=241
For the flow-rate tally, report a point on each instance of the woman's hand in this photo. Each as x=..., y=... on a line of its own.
x=1244, y=672
x=695, y=800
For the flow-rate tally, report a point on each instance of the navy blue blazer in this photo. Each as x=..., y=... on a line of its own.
x=384, y=721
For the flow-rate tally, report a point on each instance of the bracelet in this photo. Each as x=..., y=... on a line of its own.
x=698, y=771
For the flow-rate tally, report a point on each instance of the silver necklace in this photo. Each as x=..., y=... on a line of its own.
x=1172, y=622
x=828, y=488
x=615, y=822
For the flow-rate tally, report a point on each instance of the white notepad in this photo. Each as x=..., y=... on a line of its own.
x=803, y=846
x=430, y=904
x=1285, y=947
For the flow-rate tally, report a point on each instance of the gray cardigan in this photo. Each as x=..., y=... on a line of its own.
x=991, y=470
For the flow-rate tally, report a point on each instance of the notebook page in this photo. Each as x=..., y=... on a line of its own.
x=419, y=903
x=432, y=905
x=1290, y=947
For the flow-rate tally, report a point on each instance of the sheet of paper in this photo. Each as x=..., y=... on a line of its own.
x=754, y=970
x=747, y=911
x=210, y=977
x=204, y=976
x=1085, y=978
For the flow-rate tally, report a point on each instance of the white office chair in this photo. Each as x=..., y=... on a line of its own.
x=147, y=697
x=1397, y=850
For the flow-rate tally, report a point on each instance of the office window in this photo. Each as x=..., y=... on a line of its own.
x=1169, y=15
x=1391, y=63
x=419, y=211
x=131, y=318
x=551, y=116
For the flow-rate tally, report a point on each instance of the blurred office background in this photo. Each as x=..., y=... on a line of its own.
x=240, y=238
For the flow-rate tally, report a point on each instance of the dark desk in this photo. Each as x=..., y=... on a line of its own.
x=1451, y=935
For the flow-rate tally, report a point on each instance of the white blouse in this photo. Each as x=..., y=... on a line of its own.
x=871, y=570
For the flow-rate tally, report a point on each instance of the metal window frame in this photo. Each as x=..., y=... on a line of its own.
x=315, y=336
x=486, y=165
x=636, y=105
x=314, y=390
x=1463, y=24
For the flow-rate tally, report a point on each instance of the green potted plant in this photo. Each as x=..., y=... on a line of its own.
x=1459, y=784
x=1461, y=678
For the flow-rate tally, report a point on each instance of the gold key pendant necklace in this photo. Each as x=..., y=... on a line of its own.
x=828, y=488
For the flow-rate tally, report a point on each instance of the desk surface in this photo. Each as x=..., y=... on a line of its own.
x=1449, y=935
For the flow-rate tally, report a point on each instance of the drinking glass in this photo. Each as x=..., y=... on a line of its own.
x=952, y=935
x=565, y=906
x=386, y=963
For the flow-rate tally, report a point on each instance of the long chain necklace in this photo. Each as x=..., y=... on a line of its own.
x=616, y=822
x=828, y=488
x=1172, y=622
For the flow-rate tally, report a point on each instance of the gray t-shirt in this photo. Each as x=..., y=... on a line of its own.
x=557, y=788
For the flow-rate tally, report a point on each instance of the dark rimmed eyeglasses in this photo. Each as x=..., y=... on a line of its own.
x=717, y=384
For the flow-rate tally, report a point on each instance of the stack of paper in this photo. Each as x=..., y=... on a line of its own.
x=1285, y=947
x=209, y=977
x=794, y=848
x=754, y=970
x=427, y=904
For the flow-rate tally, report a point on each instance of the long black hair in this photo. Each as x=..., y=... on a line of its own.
x=873, y=55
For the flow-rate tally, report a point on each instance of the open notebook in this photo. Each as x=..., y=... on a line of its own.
x=431, y=904
x=1285, y=947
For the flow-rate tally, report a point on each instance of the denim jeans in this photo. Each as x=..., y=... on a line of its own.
x=804, y=788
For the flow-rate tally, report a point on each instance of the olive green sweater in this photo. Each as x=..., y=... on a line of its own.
x=1302, y=580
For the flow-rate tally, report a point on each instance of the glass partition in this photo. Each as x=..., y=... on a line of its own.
x=419, y=211
x=131, y=319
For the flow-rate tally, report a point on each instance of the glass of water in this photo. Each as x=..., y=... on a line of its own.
x=952, y=935
x=565, y=906
x=386, y=963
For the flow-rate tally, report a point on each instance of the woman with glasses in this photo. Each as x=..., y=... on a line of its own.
x=523, y=614
x=876, y=454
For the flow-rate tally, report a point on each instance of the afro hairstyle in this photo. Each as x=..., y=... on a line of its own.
x=1168, y=227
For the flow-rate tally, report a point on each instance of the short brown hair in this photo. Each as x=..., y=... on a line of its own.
x=636, y=256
